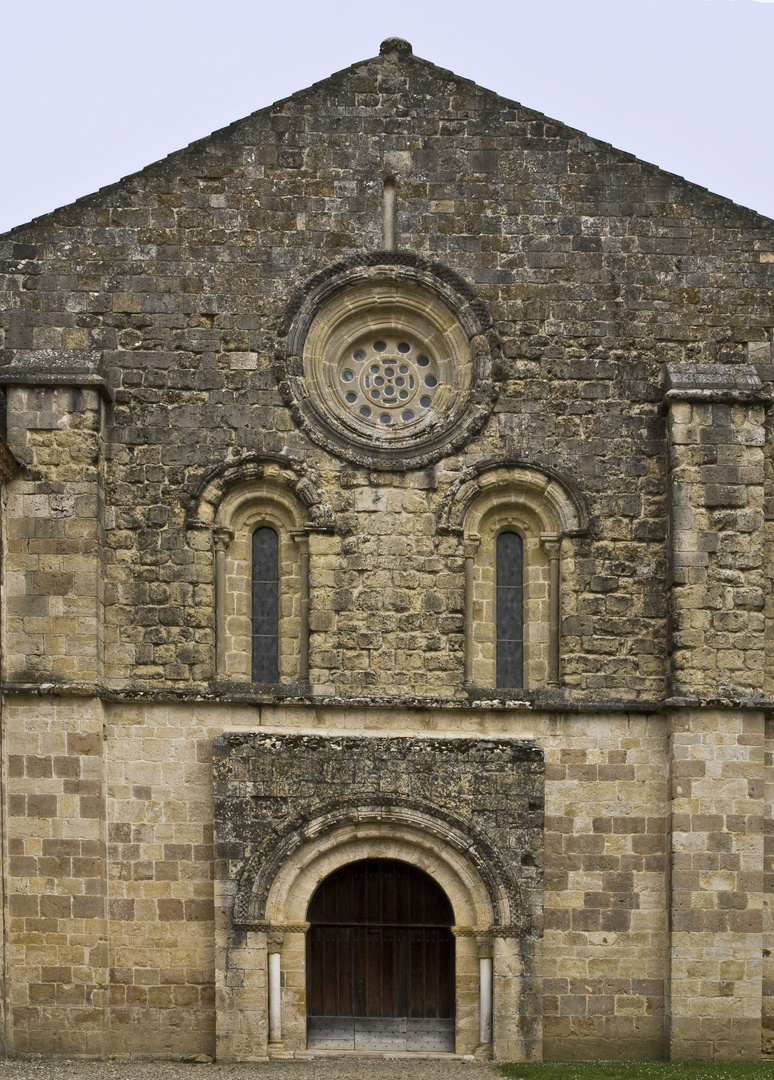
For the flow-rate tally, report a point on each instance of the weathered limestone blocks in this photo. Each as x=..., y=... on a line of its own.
x=57, y=877
x=241, y=1019
x=717, y=810
x=604, y=954
x=159, y=824
x=54, y=622
x=767, y=1044
x=716, y=448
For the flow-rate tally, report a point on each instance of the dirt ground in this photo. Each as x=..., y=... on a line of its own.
x=313, y=1069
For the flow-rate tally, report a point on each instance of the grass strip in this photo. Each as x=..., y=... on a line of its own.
x=639, y=1070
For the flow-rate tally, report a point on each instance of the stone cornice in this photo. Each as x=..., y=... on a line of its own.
x=236, y=695
x=709, y=384
x=33, y=378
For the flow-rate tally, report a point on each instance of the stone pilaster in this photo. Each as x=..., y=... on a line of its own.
x=57, y=946
x=716, y=451
x=717, y=884
x=767, y=1011
x=54, y=628
x=716, y=439
x=54, y=750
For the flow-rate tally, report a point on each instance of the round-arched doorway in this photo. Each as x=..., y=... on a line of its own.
x=380, y=960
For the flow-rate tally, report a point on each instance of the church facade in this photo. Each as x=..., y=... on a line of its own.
x=387, y=595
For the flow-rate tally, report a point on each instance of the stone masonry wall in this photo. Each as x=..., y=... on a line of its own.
x=57, y=877
x=717, y=496
x=110, y=879
x=604, y=955
x=54, y=623
x=605, y=950
x=717, y=883
x=138, y=340
x=768, y=893
x=595, y=267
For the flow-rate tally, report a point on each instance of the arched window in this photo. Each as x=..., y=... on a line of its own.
x=514, y=520
x=509, y=606
x=265, y=606
x=260, y=546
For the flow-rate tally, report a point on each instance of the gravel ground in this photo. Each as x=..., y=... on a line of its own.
x=314, y=1069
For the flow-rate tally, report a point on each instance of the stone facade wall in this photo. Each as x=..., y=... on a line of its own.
x=626, y=318
x=596, y=268
x=54, y=620
x=57, y=878
x=605, y=951
x=136, y=956
x=604, y=959
x=768, y=893
x=717, y=502
x=717, y=882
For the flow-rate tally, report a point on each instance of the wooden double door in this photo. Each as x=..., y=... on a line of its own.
x=380, y=960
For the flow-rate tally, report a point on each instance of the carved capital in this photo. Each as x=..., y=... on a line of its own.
x=485, y=947
x=552, y=544
x=470, y=545
x=301, y=538
x=221, y=538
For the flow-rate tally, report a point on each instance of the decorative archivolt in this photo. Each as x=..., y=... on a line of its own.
x=406, y=266
x=296, y=486
x=279, y=879
x=556, y=504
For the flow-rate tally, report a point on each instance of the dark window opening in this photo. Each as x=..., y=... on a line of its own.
x=265, y=607
x=510, y=610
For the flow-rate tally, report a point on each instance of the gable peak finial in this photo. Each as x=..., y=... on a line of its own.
x=396, y=45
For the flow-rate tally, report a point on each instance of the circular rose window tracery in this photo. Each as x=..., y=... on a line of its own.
x=389, y=367
x=389, y=380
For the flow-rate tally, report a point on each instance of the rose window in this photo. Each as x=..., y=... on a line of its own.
x=388, y=381
x=380, y=366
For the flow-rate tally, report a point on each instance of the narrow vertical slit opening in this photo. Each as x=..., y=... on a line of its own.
x=265, y=606
x=510, y=610
x=388, y=213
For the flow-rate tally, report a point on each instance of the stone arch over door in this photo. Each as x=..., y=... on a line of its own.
x=487, y=877
x=379, y=834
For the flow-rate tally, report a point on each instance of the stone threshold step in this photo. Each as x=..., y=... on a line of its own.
x=411, y=1055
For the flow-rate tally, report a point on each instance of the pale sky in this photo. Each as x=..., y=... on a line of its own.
x=96, y=89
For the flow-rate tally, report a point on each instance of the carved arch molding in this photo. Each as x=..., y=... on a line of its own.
x=290, y=809
x=207, y=495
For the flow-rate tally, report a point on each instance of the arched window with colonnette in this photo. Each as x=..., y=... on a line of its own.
x=515, y=521
x=260, y=513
